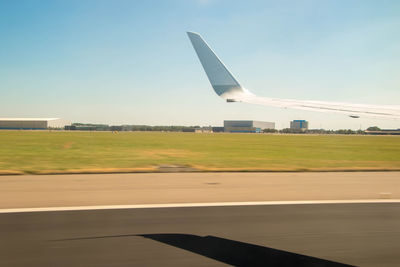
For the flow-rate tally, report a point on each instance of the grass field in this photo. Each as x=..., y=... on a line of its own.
x=48, y=152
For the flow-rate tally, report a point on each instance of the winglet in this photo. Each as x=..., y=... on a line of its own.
x=223, y=82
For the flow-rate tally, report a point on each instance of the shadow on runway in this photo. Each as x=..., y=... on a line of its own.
x=232, y=252
x=238, y=253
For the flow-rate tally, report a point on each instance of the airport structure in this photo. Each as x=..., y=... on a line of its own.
x=299, y=125
x=247, y=126
x=32, y=123
x=383, y=132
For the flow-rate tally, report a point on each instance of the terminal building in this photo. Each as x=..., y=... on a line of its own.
x=247, y=126
x=32, y=123
x=299, y=125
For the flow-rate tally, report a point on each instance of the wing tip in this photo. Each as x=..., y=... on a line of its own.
x=189, y=33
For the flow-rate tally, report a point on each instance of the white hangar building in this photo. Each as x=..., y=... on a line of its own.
x=32, y=123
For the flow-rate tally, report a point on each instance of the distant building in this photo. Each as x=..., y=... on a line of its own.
x=247, y=126
x=32, y=123
x=89, y=127
x=383, y=132
x=299, y=125
x=217, y=129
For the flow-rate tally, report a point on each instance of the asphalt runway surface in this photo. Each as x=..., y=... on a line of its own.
x=363, y=234
x=270, y=235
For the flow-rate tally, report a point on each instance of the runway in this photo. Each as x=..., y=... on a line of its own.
x=30, y=191
x=354, y=234
x=201, y=219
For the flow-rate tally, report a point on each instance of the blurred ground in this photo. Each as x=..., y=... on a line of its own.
x=96, y=152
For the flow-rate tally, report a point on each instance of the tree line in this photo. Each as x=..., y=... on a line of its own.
x=173, y=128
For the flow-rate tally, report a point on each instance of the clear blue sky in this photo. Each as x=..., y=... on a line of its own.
x=131, y=62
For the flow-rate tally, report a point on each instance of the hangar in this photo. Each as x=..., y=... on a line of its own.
x=243, y=126
x=32, y=123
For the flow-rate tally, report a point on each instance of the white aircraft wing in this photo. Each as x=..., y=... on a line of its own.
x=227, y=87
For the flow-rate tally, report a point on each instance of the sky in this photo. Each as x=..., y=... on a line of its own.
x=130, y=62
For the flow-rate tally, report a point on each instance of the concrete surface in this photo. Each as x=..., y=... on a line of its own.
x=122, y=189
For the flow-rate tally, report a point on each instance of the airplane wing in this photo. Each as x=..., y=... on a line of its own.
x=227, y=87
